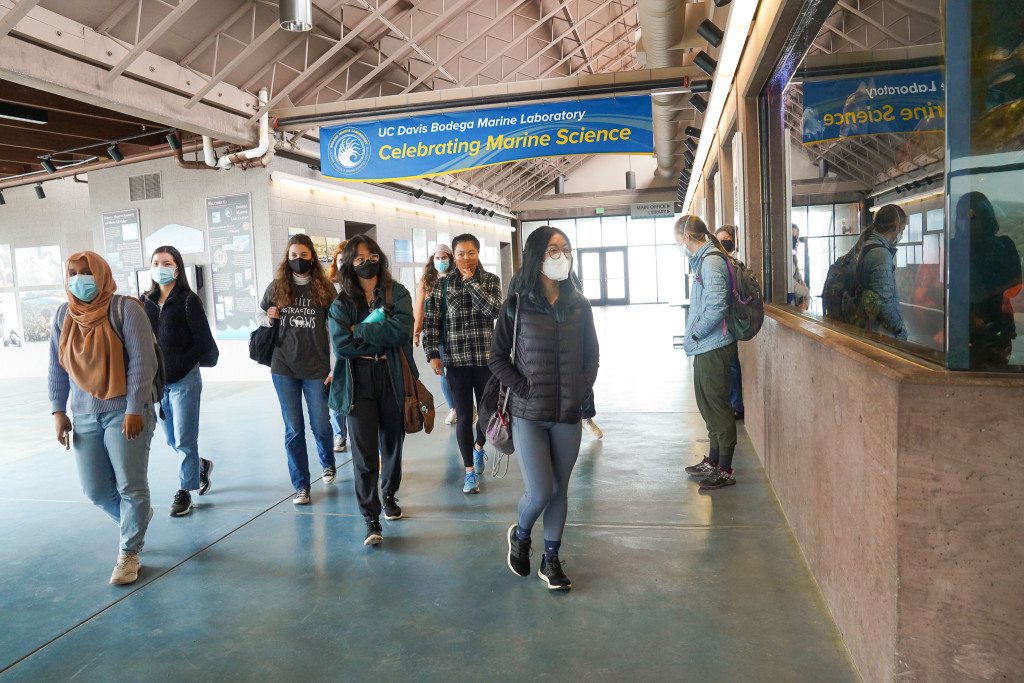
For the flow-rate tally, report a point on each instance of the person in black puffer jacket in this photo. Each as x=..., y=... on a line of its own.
x=183, y=333
x=554, y=369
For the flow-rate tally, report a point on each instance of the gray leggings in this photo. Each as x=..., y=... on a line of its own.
x=547, y=453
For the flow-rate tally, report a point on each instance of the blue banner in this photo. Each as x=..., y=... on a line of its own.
x=874, y=105
x=396, y=149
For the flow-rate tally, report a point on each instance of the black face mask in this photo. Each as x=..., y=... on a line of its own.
x=728, y=244
x=368, y=270
x=300, y=265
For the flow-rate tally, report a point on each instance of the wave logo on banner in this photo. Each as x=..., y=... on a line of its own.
x=417, y=147
x=349, y=150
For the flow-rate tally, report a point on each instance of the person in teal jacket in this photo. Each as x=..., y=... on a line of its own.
x=712, y=346
x=368, y=332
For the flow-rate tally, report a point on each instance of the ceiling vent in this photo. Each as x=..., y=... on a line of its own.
x=144, y=187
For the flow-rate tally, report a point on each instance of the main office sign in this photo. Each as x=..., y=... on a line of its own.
x=873, y=105
x=396, y=149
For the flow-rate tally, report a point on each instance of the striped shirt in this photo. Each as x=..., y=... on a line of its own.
x=138, y=341
x=469, y=308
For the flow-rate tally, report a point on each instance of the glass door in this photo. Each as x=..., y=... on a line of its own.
x=605, y=275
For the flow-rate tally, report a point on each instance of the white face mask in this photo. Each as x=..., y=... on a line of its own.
x=557, y=267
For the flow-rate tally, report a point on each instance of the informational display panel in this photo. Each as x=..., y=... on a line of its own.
x=123, y=243
x=229, y=222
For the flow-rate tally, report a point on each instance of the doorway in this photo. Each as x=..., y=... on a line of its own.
x=605, y=275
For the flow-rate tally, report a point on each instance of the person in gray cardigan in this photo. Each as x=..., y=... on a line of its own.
x=712, y=347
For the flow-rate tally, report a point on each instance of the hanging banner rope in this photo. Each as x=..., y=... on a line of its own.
x=398, y=149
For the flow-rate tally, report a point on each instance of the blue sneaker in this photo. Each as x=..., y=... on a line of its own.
x=472, y=484
x=479, y=458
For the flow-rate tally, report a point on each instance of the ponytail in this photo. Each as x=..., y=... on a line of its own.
x=888, y=218
x=694, y=226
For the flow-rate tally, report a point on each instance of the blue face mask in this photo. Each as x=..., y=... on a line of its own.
x=442, y=266
x=162, y=275
x=83, y=287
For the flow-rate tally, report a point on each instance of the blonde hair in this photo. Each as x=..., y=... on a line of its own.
x=694, y=226
x=332, y=273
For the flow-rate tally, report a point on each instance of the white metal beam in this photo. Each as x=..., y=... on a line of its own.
x=15, y=15
x=151, y=37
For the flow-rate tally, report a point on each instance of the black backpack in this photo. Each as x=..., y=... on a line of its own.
x=116, y=315
x=842, y=295
x=745, y=314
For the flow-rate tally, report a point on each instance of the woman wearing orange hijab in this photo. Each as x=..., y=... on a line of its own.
x=110, y=384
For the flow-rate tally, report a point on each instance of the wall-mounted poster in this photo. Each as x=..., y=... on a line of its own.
x=6, y=267
x=124, y=248
x=229, y=220
x=39, y=266
x=37, y=310
x=320, y=247
x=403, y=251
x=10, y=328
x=332, y=245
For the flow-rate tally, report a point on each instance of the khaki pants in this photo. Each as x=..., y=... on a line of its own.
x=711, y=379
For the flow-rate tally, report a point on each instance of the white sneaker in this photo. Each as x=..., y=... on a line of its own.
x=126, y=570
x=592, y=429
x=301, y=497
x=452, y=417
x=340, y=444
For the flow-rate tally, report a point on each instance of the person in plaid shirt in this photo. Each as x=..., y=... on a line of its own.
x=459, y=316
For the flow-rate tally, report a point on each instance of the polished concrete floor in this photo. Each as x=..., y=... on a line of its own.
x=669, y=583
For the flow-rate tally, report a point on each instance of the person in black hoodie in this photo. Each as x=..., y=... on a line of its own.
x=183, y=333
x=552, y=373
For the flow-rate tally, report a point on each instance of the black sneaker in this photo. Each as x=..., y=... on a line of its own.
x=551, y=573
x=205, y=470
x=374, y=534
x=182, y=504
x=737, y=415
x=702, y=469
x=391, y=509
x=719, y=479
x=518, y=553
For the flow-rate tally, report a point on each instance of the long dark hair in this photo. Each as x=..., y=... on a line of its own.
x=283, y=290
x=533, y=257
x=351, y=288
x=180, y=281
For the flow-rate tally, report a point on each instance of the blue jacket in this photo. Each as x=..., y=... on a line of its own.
x=709, y=302
x=390, y=336
x=880, y=277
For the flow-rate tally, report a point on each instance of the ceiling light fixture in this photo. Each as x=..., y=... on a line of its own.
x=630, y=180
x=48, y=165
x=691, y=144
x=711, y=33
x=418, y=193
x=692, y=132
x=2, y=200
x=296, y=15
x=114, y=152
x=705, y=63
x=39, y=191
x=699, y=103
x=172, y=140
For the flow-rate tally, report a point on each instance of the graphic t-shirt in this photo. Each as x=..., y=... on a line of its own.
x=305, y=342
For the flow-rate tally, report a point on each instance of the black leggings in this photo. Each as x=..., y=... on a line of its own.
x=463, y=382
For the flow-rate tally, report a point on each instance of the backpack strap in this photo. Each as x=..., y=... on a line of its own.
x=728, y=265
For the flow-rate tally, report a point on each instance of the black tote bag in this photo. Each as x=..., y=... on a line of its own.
x=262, y=343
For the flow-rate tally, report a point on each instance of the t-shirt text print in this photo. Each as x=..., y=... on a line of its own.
x=302, y=314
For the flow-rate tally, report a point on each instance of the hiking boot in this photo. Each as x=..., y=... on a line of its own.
x=301, y=497
x=126, y=570
x=719, y=479
x=452, y=417
x=374, y=533
x=702, y=469
x=182, y=504
x=472, y=483
x=593, y=429
x=329, y=474
x=340, y=444
x=479, y=460
x=205, y=470
x=551, y=573
x=391, y=509
x=518, y=553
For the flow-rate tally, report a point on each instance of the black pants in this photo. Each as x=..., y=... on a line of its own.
x=375, y=425
x=463, y=382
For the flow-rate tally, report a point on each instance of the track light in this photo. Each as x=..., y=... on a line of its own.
x=630, y=180
x=688, y=156
x=39, y=191
x=711, y=33
x=296, y=15
x=418, y=193
x=692, y=132
x=172, y=140
x=722, y=3
x=491, y=214
x=442, y=200
x=114, y=151
x=559, y=185
x=701, y=85
x=705, y=63
x=469, y=208
x=691, y=144
x=2, y=200
x=48, y=165
x=699, y=103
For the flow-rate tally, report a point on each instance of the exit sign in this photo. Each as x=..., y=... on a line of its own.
x=599, y=211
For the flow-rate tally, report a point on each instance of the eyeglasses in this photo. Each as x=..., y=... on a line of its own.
x=553, y=252
x=359, y=260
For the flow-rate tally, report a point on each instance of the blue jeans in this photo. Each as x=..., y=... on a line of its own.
x=113, y=471
x=338, y=425
x=181, y=425
x=444, y=381
x=290, y=392
x=736, y=385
